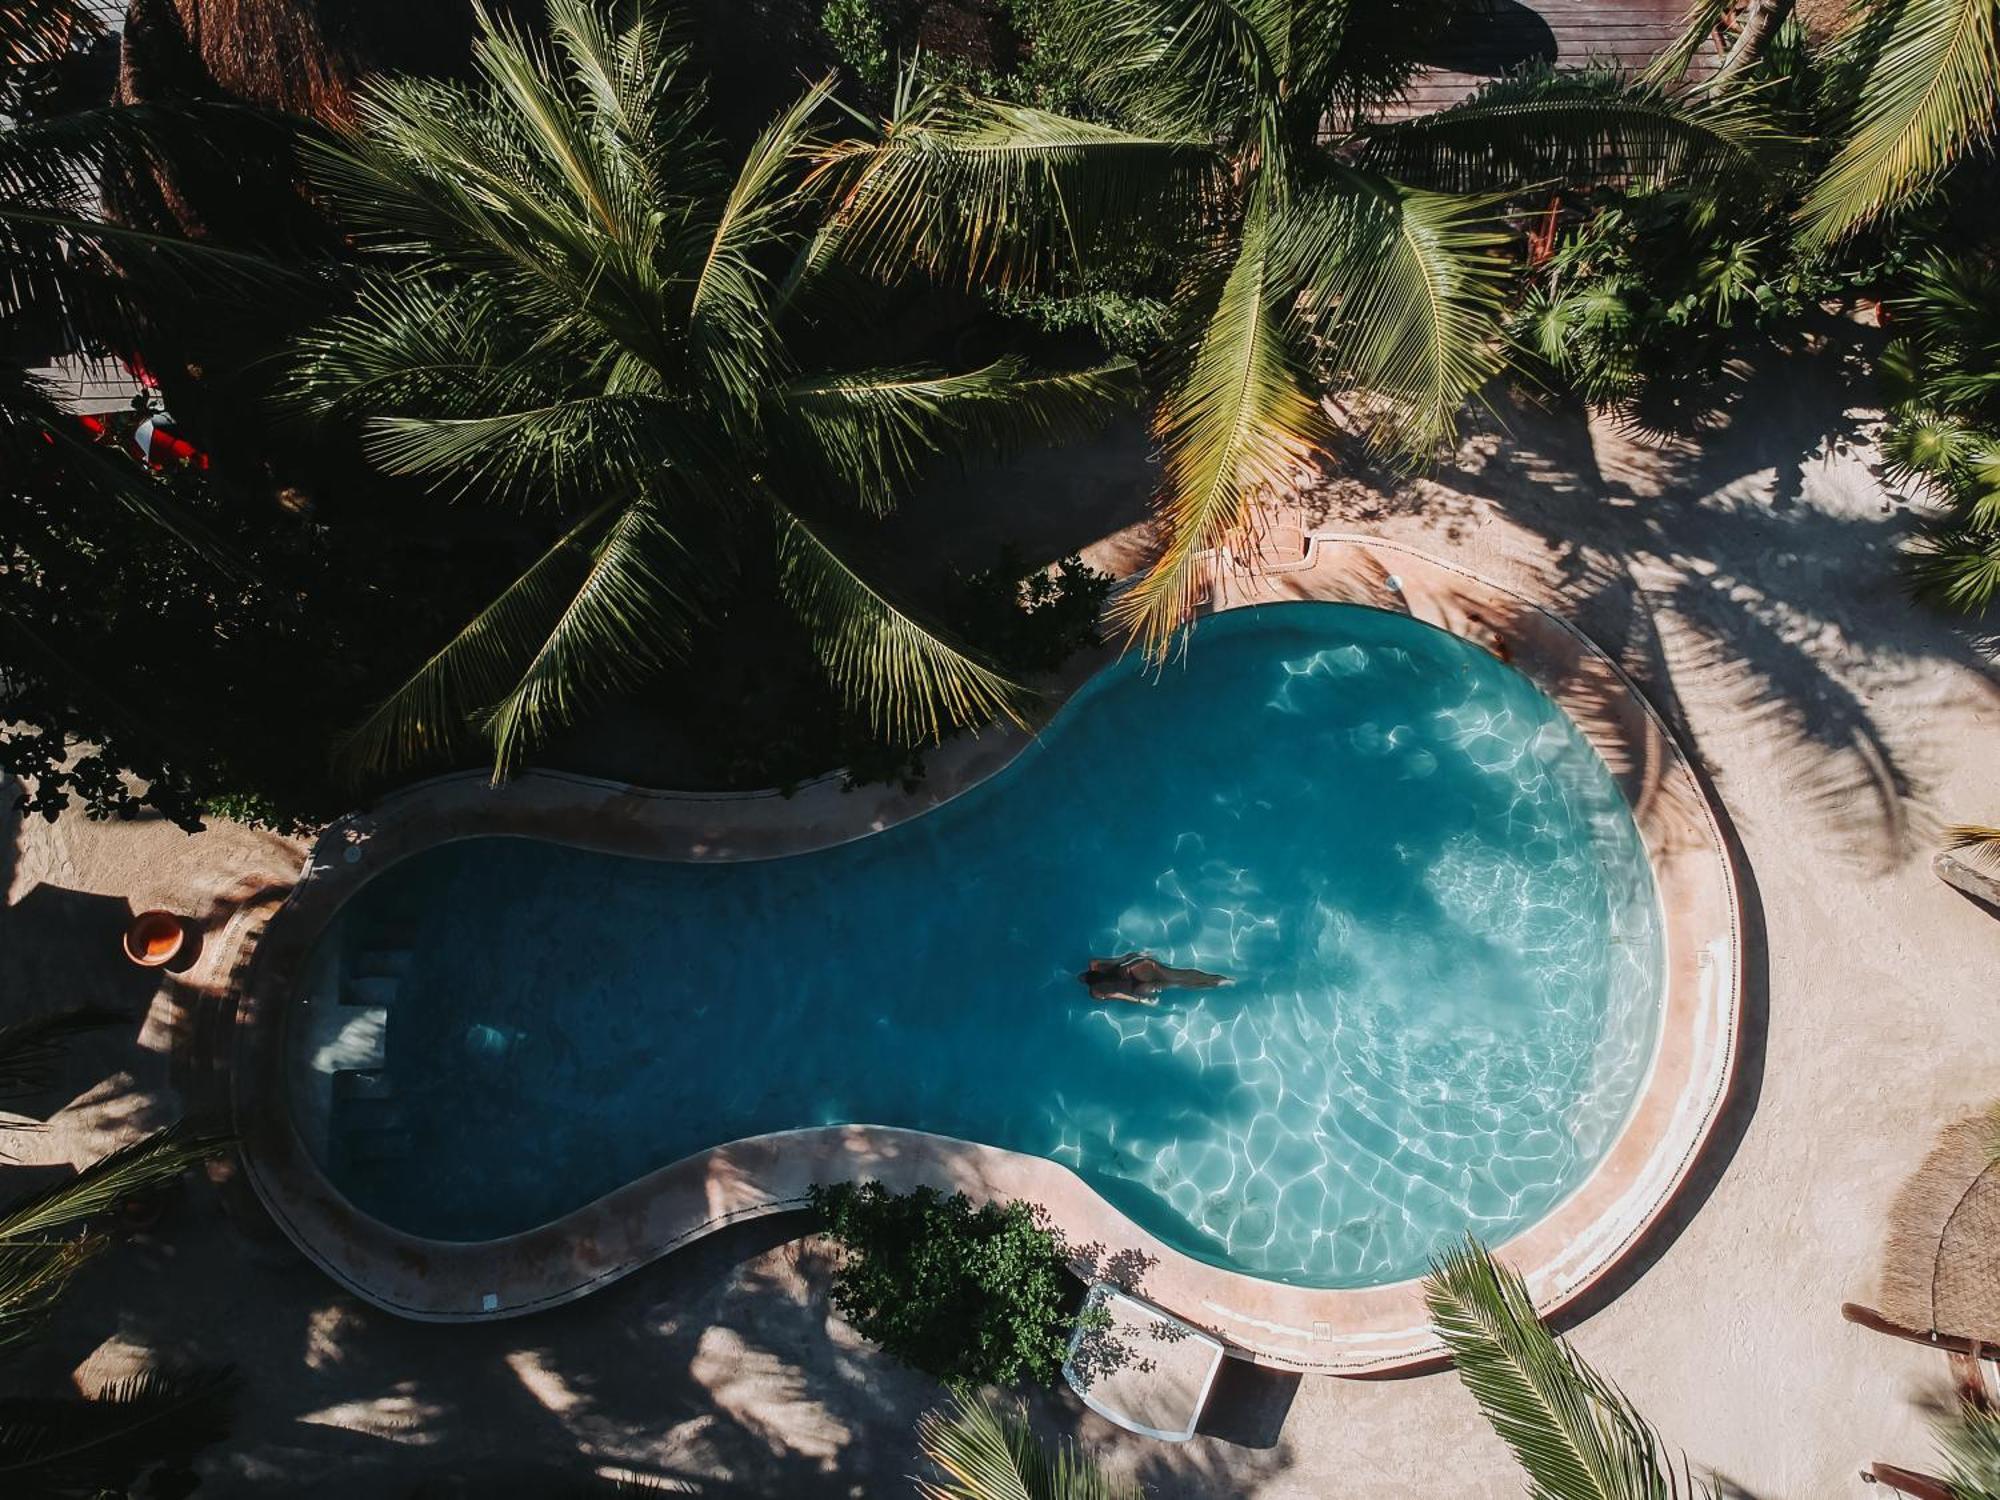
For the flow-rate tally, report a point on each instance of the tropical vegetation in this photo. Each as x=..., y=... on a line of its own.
x=1320, y=250
x=1575, y=1435
x=980, y=1295
x=579, y=307
x=1968, y=1436
x=983, y=1451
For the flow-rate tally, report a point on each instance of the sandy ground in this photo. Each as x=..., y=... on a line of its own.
x=1748, y=580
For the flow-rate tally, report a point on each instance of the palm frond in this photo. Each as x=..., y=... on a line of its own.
x=1575, y=1435
x=1698, y=28
x=981, y=190
x=104, y=1184
x=1205, y=70
x=68, y=1446
x=875, y=430
x=1587, y=126
x=1240, y=423
x=1406, y=296
x=34, y=33
x=1969, y=1437
x=37, y=435
x=589, y=614
x=989, y=1454
x=33, y=1278
x=1929, y=93
x=911, y=681
x=1957, y=565
x=29, y=1049
x=1980, y=842
x=727, y=310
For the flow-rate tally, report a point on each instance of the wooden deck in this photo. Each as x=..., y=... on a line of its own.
x=1504, y=35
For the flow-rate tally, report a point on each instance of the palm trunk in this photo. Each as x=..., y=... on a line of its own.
x=1760, y=24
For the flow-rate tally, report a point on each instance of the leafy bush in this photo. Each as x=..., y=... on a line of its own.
x=982, y=1295
x=1644, y=300
x=861, y=38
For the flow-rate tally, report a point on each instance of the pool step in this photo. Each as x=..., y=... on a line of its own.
x=375, y=992
x=381, y=963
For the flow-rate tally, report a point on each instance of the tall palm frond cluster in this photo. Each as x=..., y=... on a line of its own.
x=581, y=306
x=1321, y=252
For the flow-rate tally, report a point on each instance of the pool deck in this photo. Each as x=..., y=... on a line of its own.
x=1353, y=1332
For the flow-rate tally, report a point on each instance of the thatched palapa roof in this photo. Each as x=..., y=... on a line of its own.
x=1940, y=1268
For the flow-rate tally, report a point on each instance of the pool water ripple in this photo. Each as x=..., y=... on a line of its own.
x=1431, y=895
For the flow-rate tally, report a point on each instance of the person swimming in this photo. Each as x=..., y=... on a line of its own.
x=1139, y=978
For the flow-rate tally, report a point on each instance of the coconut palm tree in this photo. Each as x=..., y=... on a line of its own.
x=1928, y=92
x=1574, y=1433
x=583, y=308
x=986, y=1453
x=1322, y=250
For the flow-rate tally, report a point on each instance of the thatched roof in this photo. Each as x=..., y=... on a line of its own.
x=1941, y=1261
x=303, y=57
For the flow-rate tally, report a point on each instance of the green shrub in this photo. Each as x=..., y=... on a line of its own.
x=860, y=36
x=982, y=1295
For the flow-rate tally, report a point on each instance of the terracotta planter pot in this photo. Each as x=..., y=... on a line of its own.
x=154, y=938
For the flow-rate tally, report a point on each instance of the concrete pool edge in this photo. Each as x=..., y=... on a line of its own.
x=1376, y=1330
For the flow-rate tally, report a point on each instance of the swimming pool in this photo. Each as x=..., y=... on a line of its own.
x=1428, y=887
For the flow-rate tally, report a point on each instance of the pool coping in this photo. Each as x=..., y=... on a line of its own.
x=1370, y=1331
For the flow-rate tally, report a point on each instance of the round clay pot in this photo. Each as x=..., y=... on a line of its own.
x=154, y=938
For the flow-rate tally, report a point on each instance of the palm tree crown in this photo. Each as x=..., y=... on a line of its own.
x=1321, y=250
x=581, y=309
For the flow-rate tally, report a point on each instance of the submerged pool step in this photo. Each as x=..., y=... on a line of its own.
x=370, y=991
x=380, y=963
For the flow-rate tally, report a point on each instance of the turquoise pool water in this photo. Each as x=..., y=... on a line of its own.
x=1431, y=894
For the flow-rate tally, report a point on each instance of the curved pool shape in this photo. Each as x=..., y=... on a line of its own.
x=1428, y=888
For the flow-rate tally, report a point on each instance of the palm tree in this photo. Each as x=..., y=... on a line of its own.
x=1574, y=1433
x=583, y=309
x=989, y=1454
x=1928, y=92
x=1322, y=250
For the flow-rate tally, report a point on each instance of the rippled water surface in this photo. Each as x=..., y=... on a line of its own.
x=1430, y=893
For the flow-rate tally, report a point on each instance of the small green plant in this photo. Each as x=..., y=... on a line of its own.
x=860, y=37
x=981, y=1295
